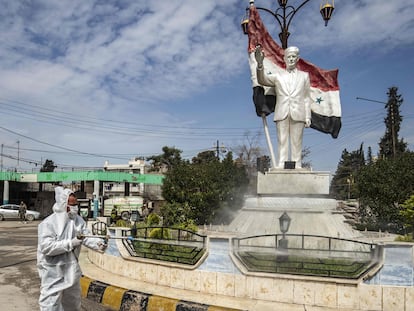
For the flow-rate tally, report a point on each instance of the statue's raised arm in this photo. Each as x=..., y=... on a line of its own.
x=261, y=77
x=259, y=56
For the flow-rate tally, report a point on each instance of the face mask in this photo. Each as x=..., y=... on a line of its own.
x=73, y=211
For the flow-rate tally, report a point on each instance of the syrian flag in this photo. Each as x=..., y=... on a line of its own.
x=325, y=106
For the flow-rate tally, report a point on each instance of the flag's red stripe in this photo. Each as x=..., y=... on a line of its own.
x=325, y=80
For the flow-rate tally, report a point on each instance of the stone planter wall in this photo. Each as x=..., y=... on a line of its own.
x=295, y=290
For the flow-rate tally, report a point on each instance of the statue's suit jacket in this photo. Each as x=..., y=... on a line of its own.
x=292, y=97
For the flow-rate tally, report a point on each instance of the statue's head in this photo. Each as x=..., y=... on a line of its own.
x=291, y=57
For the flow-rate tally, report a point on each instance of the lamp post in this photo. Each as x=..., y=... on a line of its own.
x=284, y=224
x=284, y=15
x=219, y=150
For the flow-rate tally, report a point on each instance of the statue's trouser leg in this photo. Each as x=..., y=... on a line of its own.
x=296, y=137
x=282, y=141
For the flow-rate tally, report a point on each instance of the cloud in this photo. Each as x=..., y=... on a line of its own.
x=156, y=63
x=360, y=25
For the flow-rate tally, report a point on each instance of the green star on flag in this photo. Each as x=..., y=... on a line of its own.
x=319, y=100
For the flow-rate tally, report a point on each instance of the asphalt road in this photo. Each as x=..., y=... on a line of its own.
x=19, y=281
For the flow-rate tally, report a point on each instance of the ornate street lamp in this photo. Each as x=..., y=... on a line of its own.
x=245, y=23
x=284, y=223
x=284, y=14
x=326, y=11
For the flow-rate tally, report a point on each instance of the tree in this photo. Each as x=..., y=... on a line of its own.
x=370, y=158
x=198, y=190
x=390, y=145
x=383, y=186
x=234, y=181
x=48, y=166
x=170, y=157
x=205, y=157
x=248, y=152
x=407, y=212
x=343, y=182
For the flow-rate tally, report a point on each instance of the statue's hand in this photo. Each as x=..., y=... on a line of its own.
x=258, y=54
x=308, y=122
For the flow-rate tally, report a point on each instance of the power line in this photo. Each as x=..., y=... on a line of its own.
x=370, y=100
x=55, y=146
x=64, y=116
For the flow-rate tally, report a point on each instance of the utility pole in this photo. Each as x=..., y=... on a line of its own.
x=2, y=157
x=18, y=154
x=393, y=136
x=391, y=111
x=223, y=150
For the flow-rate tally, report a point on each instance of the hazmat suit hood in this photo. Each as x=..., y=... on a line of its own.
x=60, y=207
x=61, y=198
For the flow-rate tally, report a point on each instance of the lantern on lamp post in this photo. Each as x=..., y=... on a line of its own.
x=284, y=224
x=326, y=11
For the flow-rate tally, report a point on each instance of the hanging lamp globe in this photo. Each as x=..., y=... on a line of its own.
x=244, y=25
x=283, y=3
x=284, y=222
x=326, y=12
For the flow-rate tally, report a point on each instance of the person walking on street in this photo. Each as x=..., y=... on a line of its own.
x=22, y=212
x=59, y=243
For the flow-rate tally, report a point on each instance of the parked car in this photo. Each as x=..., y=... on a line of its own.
x=11, y=211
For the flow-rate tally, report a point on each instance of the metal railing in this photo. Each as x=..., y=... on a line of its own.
x=166, y=244
x=306, y=255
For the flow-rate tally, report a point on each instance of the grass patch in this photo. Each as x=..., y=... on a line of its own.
x=293, y=264
x=167, y=252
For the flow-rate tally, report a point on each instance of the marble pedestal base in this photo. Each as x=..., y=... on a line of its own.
x=303, y=194
x=297, y=182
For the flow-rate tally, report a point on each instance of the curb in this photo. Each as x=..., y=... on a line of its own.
x=123, y=299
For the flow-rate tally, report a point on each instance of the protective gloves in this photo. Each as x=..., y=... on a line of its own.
x=75, y=242
x=102, y=246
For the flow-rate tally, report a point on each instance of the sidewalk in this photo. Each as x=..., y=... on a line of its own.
x=19, y=279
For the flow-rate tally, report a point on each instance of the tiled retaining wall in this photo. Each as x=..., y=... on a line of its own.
x=316, y=292
x=122, y=299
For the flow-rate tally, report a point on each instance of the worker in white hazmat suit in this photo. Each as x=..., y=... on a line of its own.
x=58, y=251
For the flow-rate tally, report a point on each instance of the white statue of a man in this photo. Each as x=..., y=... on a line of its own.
x=292, y=110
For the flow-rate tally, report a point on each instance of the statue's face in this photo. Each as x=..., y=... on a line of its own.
x=291, y=60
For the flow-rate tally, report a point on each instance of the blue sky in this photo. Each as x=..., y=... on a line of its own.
x=82, y=82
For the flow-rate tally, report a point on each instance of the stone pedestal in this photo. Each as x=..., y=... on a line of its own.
x=293, y=182
x=303, y=194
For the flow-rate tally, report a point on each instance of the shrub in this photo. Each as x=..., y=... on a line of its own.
x=160, y=233
x=153, y=220
x=189, y=225
x=123, y=223
x=404, y=238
